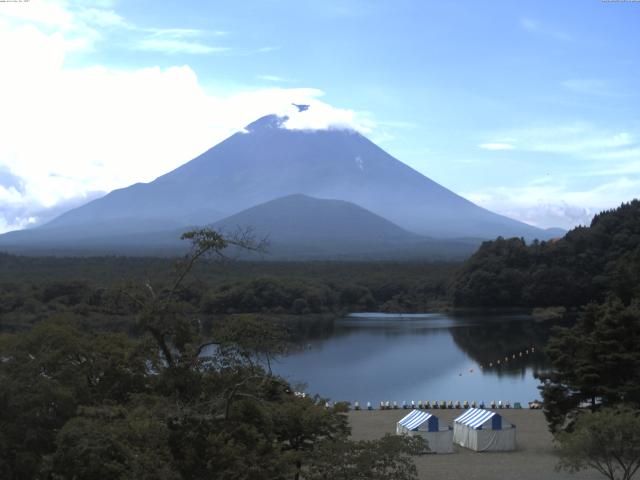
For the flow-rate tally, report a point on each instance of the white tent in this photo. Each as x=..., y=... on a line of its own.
x=427, y=426
x=484, y=431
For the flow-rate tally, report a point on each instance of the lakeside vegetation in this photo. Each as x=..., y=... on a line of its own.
x=86, y=404
x=102, y=373
x=35, y=288
x=595, y=273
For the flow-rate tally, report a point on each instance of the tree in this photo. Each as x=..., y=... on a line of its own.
x=114, y=442
x=175, y=402
x=46, y=374
x=161, y=312
x=255, y=338
x=596, y=361
x=585, y=265
x=386, y=458
x=230, y=410
x=607, y=441
x=301, y=423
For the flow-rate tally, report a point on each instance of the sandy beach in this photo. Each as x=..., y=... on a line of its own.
x=534, y=458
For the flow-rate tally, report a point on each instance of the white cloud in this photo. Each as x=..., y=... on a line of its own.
x=82, y=25
x=322, y=116
x=619, y=148
x=75, y=27
x=627, y=168
x=535, y=27
x=547, y=203
x=496, y=146
x=267, y=49
x=573, y=138
x=103, y=18
x=21, y=212
x=588, y=86
x=620, y=154
x=42, y=12
x=178, y=40
x=274, y=78
x=169, y=45
x=594, y=152
x=70, y=131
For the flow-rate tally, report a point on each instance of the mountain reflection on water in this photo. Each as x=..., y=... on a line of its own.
x=374, y=357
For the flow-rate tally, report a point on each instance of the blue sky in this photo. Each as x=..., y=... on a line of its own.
x=528, y=108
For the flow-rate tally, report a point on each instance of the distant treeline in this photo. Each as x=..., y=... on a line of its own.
x=586, y=265
x=35, y=288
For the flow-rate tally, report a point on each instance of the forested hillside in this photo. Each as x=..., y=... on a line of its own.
x=584, y=266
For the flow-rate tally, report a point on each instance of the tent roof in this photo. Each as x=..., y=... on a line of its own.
x=475, y=417
x=414, y=419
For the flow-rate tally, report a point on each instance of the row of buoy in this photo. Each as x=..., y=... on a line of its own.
x=427, y=405
x=512, y=357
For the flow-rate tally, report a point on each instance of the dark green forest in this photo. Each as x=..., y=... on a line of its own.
x=592, y=388
x=111, y=381
x=594, y=272
x=103, y=376
x=35, y=288
x=586, y=265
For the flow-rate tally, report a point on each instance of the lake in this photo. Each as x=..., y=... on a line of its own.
x=374, y=357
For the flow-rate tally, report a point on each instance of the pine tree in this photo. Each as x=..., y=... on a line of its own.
x=597, y=361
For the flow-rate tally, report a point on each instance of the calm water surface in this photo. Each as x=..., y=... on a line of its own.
x=374, y=357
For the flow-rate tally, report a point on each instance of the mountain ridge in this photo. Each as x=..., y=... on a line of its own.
x=267, y=161
x=297, y=227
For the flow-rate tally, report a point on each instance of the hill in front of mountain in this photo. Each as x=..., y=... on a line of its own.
x=302, y=226
x=302, y=219
x=296, y=226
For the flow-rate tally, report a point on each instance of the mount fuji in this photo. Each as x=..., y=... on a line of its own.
x=268, y=161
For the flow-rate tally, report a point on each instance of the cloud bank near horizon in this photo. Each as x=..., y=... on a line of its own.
x=609, y=159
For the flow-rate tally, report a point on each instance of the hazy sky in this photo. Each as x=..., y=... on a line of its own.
x=529, y=108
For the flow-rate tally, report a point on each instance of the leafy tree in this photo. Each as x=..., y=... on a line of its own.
x=175, y=402
x=274, y=295
x=46, y=374
x=607, y=441
x=256, y=339
x=494, y=275
x=301, y=423
x=161, y=311
x=596, y=361
x=388, y=457
x=113, y=442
